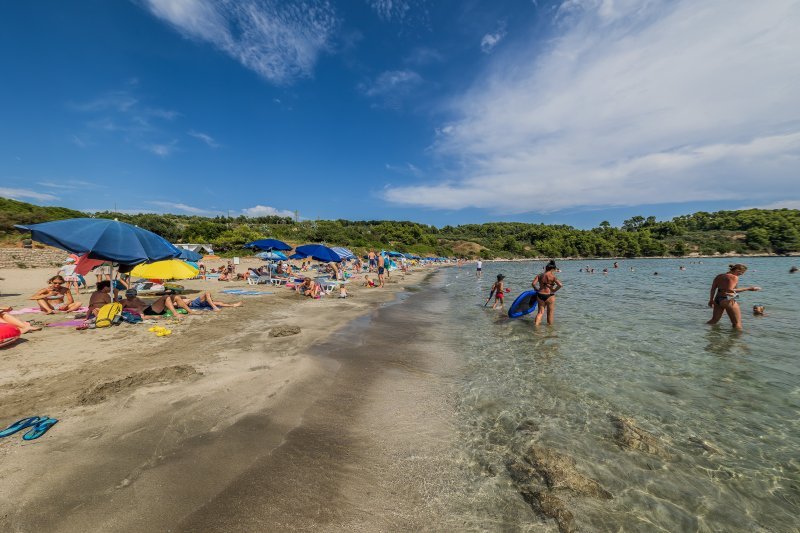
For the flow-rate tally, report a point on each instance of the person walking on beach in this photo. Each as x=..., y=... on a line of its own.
x=479, y=271
x=724, y=292
x=546, y=285
x=381, y=270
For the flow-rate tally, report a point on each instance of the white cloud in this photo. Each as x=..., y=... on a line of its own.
x=407, y=168
x=490, y=40
x=390, y=9
x=634, y=102
x=278, y=40
x=391, y=86
x=161, y=149
x=265, y=211
x=67, y=184
x=208, y=139
x=184, y=208
x=19, y=194
x=422, y=56
x=781, y=204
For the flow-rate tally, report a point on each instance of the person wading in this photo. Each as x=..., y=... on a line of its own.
x=546, y=285
x=724, y=292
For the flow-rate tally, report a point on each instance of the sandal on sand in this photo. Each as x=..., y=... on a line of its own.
x=40, y=428
x=19, y=425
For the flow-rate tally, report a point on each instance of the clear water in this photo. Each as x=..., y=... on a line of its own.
x=633, y=344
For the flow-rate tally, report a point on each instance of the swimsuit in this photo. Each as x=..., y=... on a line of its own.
x=543, y=297
x=725, y=297
x=198, y=303
x=381, y=270
x=149, y=311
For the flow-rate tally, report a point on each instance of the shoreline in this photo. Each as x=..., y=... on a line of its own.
x=189, y=412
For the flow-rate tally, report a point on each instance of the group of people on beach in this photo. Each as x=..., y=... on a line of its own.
x=722, y=297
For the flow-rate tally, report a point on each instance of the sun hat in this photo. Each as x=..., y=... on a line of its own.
x=131, y=292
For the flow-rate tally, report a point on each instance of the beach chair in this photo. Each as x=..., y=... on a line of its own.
x=327, y=285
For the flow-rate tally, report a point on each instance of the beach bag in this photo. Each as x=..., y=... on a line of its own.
x=108, y=314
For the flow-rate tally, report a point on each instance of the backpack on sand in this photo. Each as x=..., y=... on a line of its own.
x=108, y=314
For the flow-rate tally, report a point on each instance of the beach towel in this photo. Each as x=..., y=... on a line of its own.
x=67, y=324
x=108, y=314
x=29, y=310
x=242, y=292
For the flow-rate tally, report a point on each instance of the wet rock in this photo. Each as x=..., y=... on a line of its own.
x=559, y=472
x=549, y=506
x=522, y=473
x=704, y=444
x=284, y=331
x=628, y=435
x=527, y=426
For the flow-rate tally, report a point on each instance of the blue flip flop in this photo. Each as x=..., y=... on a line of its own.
x=40, y=428
x=38, y=425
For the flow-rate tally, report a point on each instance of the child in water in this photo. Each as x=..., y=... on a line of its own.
x=499, y=291
x=759, y=310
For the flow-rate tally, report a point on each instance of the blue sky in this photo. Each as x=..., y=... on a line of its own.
x=570, y=111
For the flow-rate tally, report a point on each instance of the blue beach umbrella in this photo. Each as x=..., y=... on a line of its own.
x=319, y=252
x=189, y=255
x=344, y=253
x=268, y=245
x=272, y=256
x=100, y=238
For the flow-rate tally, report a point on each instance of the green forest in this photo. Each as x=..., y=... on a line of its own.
x=744, y=232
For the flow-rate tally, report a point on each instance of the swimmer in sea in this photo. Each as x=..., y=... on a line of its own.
x=722, y=298
x=546, y=286
x=759, y=310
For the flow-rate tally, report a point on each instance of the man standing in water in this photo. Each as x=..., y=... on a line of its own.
x=546, y=285
x=723, y=295
x=479, y=271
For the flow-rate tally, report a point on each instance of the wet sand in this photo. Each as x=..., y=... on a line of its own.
x=222, y=427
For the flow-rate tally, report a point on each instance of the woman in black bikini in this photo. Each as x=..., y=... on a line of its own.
x=546, y=286
x=724, y=291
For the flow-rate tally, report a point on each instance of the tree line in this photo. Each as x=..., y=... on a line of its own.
x=744, y=231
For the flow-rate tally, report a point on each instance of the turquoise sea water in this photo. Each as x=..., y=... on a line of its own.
x=724, y=405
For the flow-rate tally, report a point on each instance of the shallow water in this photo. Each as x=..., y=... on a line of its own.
x=723, y=405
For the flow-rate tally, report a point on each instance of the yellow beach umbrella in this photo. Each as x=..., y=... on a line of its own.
x=169, y=269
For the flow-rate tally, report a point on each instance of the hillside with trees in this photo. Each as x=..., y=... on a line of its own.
x=751, y=231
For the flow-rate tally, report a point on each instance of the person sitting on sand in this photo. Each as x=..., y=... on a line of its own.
x=546, y=285
x=204, y=301
x=368, y=282
x=223, y=274
x=165, y=303
x=100, y=297
x=55, y=297
x=24, y=327
x=342, y=291
x=722, y=298
x=308, y=288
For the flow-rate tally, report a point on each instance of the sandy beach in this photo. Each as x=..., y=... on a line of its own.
x=221, y=426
